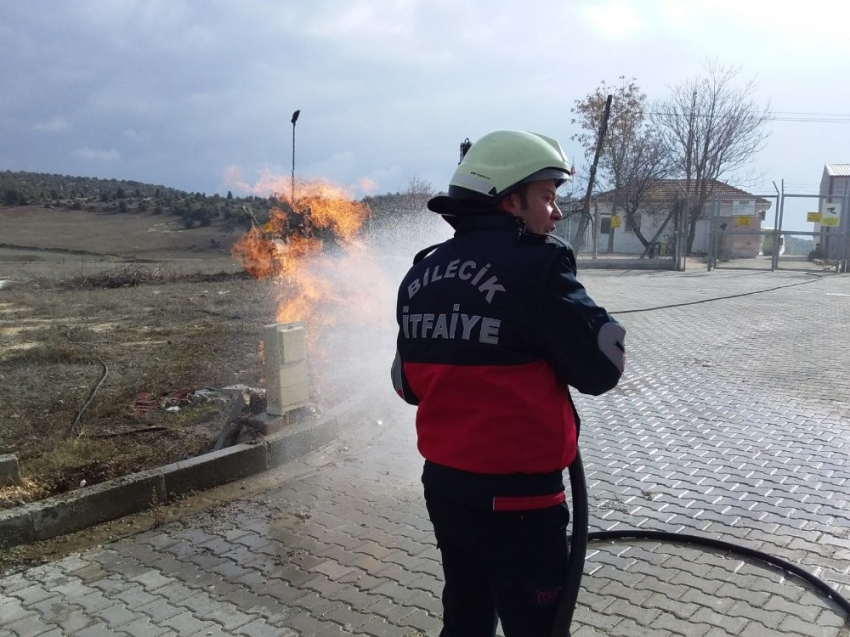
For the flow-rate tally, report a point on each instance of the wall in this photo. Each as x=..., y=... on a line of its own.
x=741, y=245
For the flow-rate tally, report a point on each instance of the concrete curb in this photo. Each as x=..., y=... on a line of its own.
x=588, y=263
x=76, y=510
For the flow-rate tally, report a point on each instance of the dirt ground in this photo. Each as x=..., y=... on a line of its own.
x=105, y=322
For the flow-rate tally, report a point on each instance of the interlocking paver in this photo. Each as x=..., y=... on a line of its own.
x=729, y=422
x=12, y=610
x=160, y=610
x=96, y=630
x=142, y=627
x=28, y=626
x=32, y=594
x=259, y=628
x=186, y=624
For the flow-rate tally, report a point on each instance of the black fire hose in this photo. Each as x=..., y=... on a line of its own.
x=580, y=538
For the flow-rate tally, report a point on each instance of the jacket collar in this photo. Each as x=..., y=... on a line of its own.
x=498, y=221
x=490, y=221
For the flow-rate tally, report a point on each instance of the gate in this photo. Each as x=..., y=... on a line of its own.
x=653, y=237
x=746, y=241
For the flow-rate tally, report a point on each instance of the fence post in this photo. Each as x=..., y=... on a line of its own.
x=774, y=261
x=712, y=233
x=683, y=237
x=845, y=226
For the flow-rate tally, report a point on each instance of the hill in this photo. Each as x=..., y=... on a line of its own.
x=102, y=233
x=118, y=217
x=22, y=188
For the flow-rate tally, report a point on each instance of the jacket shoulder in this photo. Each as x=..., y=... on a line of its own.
x=558, y=242
x=425, y=252
x=561, y=252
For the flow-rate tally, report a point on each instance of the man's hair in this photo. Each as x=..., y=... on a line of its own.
x=522, y=193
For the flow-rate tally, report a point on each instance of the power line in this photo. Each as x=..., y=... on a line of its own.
x=781, y=116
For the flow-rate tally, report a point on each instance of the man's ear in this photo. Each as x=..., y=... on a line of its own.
x=510, y=204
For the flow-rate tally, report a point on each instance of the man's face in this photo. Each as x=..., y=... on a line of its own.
x=538, y=208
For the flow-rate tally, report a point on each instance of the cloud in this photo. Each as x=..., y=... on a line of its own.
x=135, y=136
x=100, y=155
x=53, y=125
x=616, y=19
x=387, y=88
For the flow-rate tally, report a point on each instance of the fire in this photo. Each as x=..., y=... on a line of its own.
x=307, y=245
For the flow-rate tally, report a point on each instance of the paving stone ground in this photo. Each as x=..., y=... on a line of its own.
x=733, y=421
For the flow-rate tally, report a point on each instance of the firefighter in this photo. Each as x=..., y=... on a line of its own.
x=494, y=328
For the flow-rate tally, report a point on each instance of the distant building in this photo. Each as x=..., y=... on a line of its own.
x=739, y=210
x=835, y=186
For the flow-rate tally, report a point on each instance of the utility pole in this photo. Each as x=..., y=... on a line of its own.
x=585, y=211
x=292, y=192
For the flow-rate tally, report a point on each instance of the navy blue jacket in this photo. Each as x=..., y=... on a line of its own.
x=493, y=328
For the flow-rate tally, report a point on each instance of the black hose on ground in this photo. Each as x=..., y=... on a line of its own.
x=580, y=539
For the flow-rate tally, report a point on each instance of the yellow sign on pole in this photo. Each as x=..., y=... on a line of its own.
x=615, y=221
x=741, y=221
x=813, y=217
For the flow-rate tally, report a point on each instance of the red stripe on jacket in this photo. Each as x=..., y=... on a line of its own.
x=494, y=419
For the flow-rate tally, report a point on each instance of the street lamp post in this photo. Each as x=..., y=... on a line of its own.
x=292, y=192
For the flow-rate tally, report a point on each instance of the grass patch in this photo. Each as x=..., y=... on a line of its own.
x=162, y=339
x=129, y=276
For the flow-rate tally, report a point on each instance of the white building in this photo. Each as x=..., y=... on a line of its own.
x=740, y=213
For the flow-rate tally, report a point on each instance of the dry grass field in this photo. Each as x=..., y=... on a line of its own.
x=96, y=308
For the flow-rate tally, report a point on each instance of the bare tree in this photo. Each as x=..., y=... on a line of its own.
x=416, y=195
x=634, y=157
x=392, y=212
x=712, y=127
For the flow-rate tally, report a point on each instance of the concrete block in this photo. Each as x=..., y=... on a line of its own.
x=9, y=473
x=285, y=353
x=295, y=395
x=284, y=343
x=290, y=374
x=299, y=440
x=98, y=503
x=213, y=469
x=16, y=527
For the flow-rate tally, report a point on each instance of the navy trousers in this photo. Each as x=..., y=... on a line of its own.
x=499, y=565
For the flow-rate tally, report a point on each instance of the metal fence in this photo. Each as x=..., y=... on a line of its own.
x=774, y=248
x=653, y=237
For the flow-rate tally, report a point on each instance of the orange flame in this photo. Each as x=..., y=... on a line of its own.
x=293, y=247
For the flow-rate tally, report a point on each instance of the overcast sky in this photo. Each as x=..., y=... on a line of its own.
x=188, y=94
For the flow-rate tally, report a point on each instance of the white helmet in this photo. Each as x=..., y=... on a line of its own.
x=497, y=165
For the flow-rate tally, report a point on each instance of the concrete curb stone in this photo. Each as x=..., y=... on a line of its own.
x=9, y=473
x=80, y=509
x=586, y=263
